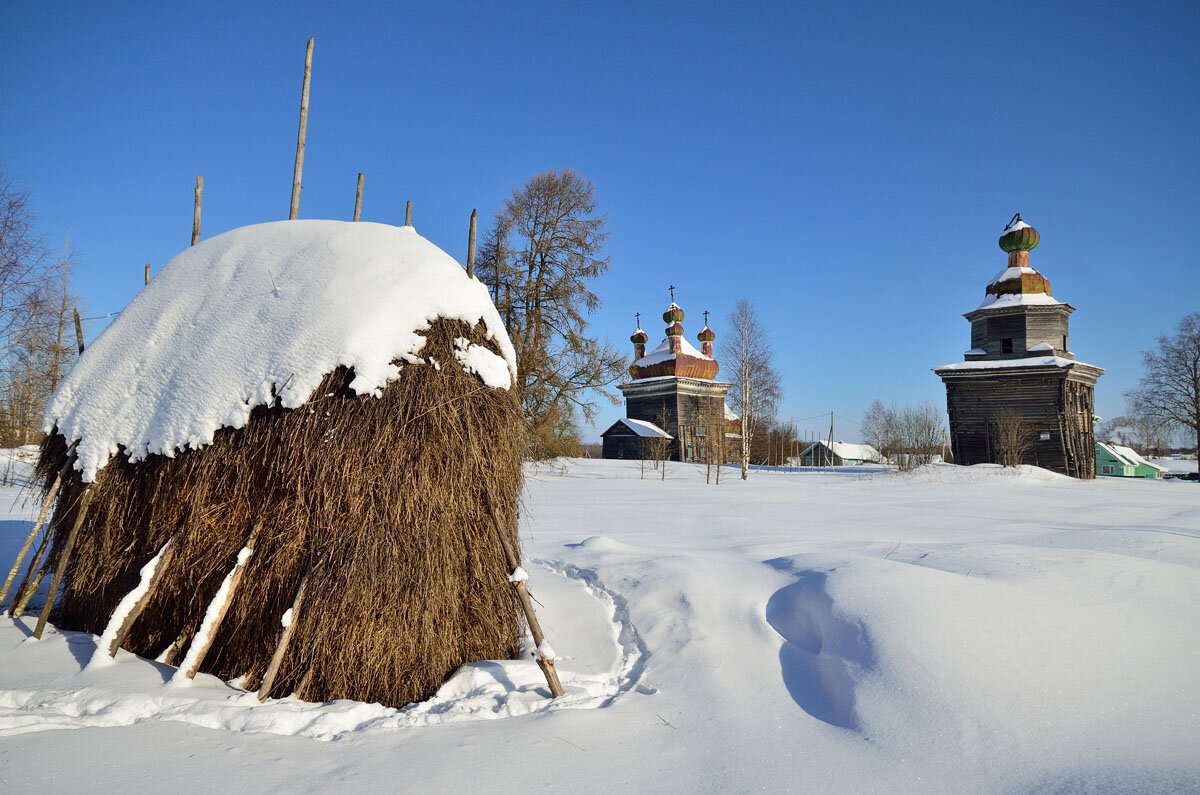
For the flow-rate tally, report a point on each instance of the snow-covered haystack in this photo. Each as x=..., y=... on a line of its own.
x=340, y=392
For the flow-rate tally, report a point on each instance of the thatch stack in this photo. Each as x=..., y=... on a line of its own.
x=380, y=495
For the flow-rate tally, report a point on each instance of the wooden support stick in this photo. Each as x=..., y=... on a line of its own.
x=471, y=248
x=544, y=662
x=78, y=330
x=285, y=639
x=358, y=198
x=302, y=688
x=37, y=556
x=64, y=558
x=204, y=640
x=195, y=216
x=164, y=559
x=299, y=169
x=23, y=602
x=37, y=526
x=408, y=214
x=147, y=273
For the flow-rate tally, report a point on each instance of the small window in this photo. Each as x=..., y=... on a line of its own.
x=1064, y=347
x=689, y=452
x=1006, y=345
x=1107, y=469
x=1044, y=436
x=700, y=430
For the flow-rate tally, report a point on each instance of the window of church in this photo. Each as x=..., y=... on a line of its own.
x=1006, y=345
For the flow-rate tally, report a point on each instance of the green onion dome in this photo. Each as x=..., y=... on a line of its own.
x=706, y=335
x=639, y=336
x=673, y=314
x=1019, y=236
x=675, y=329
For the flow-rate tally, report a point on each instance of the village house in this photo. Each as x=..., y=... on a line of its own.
x=1117, y=461
x=822, y=454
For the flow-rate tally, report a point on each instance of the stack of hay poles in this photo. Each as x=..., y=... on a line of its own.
x=306, y=419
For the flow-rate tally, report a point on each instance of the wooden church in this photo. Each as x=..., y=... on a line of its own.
x=673, y=395
x=1020, y=361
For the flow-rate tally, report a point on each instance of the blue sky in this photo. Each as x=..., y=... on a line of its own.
x=846, y=167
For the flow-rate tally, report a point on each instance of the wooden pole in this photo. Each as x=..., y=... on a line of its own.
x=285, y=639
x=358, y=198
x=546, y=663
x=195, y=215
x=164, y=560
x=18, y=608
x=64, y=559
x=471, y=248
x=147, y=273
x=12, y=574
x=408, y=214
x=299, y=169
x=78, y=330
x=195, y=656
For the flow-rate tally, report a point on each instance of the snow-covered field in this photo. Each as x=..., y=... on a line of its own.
x=972, y=630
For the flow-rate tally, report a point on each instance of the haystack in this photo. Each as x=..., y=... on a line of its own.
x=337, y=396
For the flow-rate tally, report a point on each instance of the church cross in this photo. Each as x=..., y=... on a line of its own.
x=638, y=315
x=706, y=318
x=672, y=289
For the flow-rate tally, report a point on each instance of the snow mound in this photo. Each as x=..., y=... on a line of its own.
x=258, y=315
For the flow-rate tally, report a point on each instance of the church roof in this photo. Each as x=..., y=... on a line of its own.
x=663, y=353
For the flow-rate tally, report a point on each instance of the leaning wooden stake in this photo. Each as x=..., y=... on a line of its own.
x=22, y=602
x=471, y=248
x=408, y=214
x=78, y=331
x=122, y=632
x=50, y=495
x=544, y=661
x=299, y=169
x=285, y=639
x=64, y=559
x=195, y=216
x=211, y=624
x=358, y=198
x=147, y=273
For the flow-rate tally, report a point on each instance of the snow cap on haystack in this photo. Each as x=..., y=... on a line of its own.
x=258, y=315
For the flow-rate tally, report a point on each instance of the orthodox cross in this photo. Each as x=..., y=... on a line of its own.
x=706, y=318
x=672, y=289
x=638, y=315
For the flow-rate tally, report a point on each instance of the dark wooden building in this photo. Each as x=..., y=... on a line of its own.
x=1020, y=361
x=673, y=393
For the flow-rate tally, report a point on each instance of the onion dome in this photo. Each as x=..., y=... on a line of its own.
x=639, y=337
x=673, y=314
x=706, y=335
x=1019, y=236
x=675, y=329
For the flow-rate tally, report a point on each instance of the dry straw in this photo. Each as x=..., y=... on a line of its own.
x=383, y=496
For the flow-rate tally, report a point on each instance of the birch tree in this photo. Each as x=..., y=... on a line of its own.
x=757, y=388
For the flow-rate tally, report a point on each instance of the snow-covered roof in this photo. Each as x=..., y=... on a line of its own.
x=1130, y=456
x=1014, y=227
x=729, y=415
x=1018, y=299
x=1012, y=273
x=975, y=352
x=1041, y=346
x=845, y=450
x=259, y=312
x=646, y=430
x=663, y=353
x=1028, y=361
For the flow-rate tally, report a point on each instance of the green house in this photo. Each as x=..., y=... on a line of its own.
x=1116, y=461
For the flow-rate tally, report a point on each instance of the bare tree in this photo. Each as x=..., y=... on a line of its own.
x=757, y=387
x=538, y=259
x=1170, y=389
x=1012, y=435
x=881, y=429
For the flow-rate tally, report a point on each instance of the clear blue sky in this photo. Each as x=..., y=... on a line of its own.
x=847, y=168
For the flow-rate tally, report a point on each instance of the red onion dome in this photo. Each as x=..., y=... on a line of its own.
x=706, y=335
x=639, y=336
x=673, y=314
x=675, y=329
